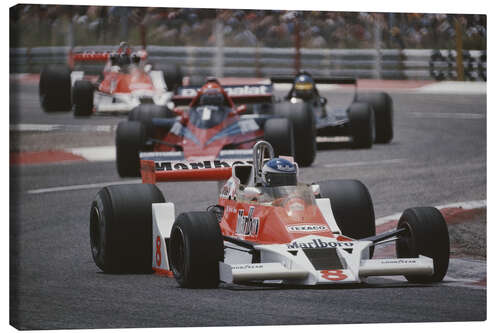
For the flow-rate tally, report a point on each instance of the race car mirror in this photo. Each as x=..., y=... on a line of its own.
x=259, y=154
x=241, y=109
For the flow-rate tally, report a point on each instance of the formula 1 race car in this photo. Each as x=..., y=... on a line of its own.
x=266, y=227
x=212, y=128
x=368, y=119
x=126, y=82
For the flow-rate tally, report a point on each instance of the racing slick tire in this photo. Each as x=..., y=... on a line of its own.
x=279, y=133
x=382, y=106
x=362, y=125
x=54, y=88
x=121, y=227
x=129, y=141
x=196, y=248
x=426, y=234
x=83, y=98
x=304, y=129
x=144, y=113
x=173, y=77
x=352, y=207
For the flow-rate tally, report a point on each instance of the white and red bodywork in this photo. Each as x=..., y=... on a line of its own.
x=297, y=238
x=123, y=88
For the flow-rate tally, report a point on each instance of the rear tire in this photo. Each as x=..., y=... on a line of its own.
x=304, y=128
x=83, y=98
x=196, y=248
x=173, y=77
x=55, y=89
x=426, y=234
x=121, y=227
x=352, y=207
x=129, y=140
x=279, y=133
x=382, y=106
x=362, y=125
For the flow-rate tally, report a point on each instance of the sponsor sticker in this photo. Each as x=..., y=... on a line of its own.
x=248, y=266
x=318, y=243
x=307, y=228
x=247, y=225
x=185, y=165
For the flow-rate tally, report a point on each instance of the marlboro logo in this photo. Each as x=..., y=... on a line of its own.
x=318, y=243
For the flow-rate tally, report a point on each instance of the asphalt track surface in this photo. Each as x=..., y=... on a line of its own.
x=438, y=156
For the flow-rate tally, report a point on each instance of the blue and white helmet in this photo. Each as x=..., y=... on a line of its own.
x=279, y=172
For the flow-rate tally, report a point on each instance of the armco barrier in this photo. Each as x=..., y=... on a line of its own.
x=254, y=61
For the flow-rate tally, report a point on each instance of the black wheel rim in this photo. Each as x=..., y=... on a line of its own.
x=178, y=253
x=95, y=233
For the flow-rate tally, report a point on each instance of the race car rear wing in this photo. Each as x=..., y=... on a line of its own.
x=239, y=94
x=173, y=167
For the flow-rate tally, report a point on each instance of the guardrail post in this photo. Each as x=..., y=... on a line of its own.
x=297, y=45
x=460, y=66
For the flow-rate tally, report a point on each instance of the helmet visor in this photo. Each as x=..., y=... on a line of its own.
x=281, y=179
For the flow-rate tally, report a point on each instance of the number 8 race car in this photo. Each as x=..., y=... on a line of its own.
x=264, y=228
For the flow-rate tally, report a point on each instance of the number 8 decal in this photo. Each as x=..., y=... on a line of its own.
x=333, y=275
x=158, y=251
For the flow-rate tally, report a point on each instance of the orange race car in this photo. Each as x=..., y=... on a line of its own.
x=265, y=227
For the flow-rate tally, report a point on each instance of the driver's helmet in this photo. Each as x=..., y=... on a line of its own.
x=279, y=172
x=212, y=97
x=113, y=58
x=304, y=86
x=124, y=59
x=136, y=59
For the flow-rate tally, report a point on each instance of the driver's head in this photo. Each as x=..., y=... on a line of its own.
x=279, y=172
x=212, y=97
x=113, y=58
x=304, y=85
x=136, y=59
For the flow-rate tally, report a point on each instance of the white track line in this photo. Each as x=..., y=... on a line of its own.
x=81, y=187
x=447, y=115
x=336, y=165
x=453, y=87
x=60, y=127
x=95, y=154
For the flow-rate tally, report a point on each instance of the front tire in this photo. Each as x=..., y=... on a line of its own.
x=145, y=113
x=83, y=98
x=196, y=248
x=129, y=141
x=55, y=89
x=121, y=227
x=352, y=207
x=426, y=234
x=279, y=133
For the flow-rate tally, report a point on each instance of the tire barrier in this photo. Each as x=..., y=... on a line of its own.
x=443, y=65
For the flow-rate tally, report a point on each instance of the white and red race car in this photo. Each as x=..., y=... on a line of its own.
x=126, y=81
x=304, y=234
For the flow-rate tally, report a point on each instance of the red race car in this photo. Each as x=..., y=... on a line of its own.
x=126, y=82
x=213, y=129
x=265, y=227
